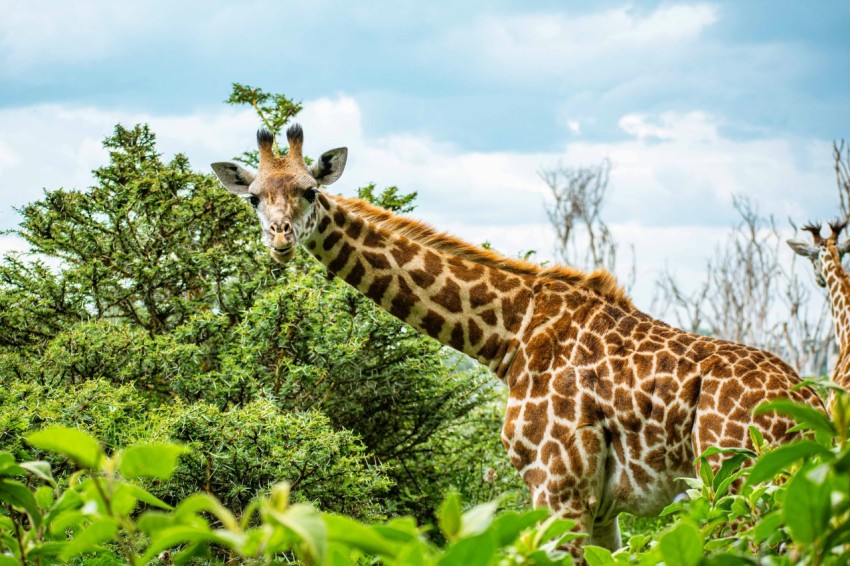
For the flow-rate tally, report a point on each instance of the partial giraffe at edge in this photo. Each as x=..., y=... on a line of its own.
x=607, y=406
x=826, y=257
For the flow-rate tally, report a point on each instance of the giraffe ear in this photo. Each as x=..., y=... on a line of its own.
x=803, y=248
x=329, y=166
x=234, y=178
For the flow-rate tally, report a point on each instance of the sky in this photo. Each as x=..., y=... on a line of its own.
x=463, y=102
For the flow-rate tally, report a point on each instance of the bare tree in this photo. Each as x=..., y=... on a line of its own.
x=841, y=155
x=751, y=296
x=583, y=238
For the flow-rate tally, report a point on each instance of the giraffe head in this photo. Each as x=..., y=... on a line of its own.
x=820, y=249
x=283, y=189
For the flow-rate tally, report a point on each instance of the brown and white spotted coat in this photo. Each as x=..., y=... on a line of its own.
x=826, y=256
x=607, y=405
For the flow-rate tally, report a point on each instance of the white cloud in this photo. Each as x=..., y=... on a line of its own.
x=555, y=44
x=670, y=184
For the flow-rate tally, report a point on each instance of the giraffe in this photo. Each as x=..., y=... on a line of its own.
x=607, y=406
x=826, y=256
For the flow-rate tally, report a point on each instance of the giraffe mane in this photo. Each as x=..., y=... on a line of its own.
x=599, y=281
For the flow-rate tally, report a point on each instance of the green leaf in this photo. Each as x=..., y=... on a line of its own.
x=18, y=495
x=150, y=460
x=803, y=414
x=40, y=469
x=8, y=561
x=143, y=495
x=449, y=515
x=477, y=519
x=597, y=556
x=807, y=507
x=682, y=545
x=507, y=526
x=479, y=550
x=768, y=525
x=307, y=523
x=180, y=534
x=87, y=540
x=355, y=535
x=73, y=443
x=778, y=459
x=206, y=502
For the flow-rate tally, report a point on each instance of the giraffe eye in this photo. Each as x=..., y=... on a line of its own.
x=254, y=200
x=310, y=194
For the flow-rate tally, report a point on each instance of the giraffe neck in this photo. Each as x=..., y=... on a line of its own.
x=838, y=284
x=476, y=309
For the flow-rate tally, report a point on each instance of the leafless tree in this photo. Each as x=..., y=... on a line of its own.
x=841, y=156
x=583, y=238
x=751, y=295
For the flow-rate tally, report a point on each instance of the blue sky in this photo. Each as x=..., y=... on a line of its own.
x=461, y=101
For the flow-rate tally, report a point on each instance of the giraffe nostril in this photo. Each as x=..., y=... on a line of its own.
x=287, y=227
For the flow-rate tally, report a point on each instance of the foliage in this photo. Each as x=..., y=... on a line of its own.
x=106, y=512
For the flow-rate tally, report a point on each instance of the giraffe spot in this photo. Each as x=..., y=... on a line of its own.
x=575, y=460
x=402, y=302
x=540, y=384
x=374, y=239
x=535, y=417
x=433, y=263
x=513, y=310
x=534, y=477
x=489, y=317
x=502, y=282
x=404, y=252
x=311, y=245
x=449, y=297
x=490, y=349
x=665, y=363
x=622, y=400
x=379, y=287
x=640, y=474
x=355, y=276
x=354, y=228
x=465, y=271
x=376, y=259
x=656, y=459
x=480, y=295
x=323, y=224
x=339, y=218
x=456, y=338
x=331, y=240
x=525, y=455
x=341, y=259
x=432, y=323
x=540, y=350
x=589, y=349
x=475, y=332
x=653, y=434
x=422, y=278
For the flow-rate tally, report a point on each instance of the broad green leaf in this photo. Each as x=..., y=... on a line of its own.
x=307, y=523
x=682, y=545
x=150, y=460
x=40, y=469
x=507, y=526
x=18, y=495
x=597, y=556
x=87, y=540
x=807, y=507
x=449, y=515
x=479, y=550
x=206, y=502
x=803, y=414
x=8, y=561
x=44, y=497
x=771, y=463
x=477, y=519
x=73, y=443
x=768, y=525
x=355, y=535
x=177, y=535
x=143, y=495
